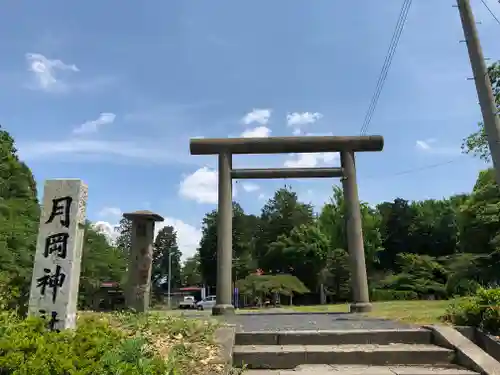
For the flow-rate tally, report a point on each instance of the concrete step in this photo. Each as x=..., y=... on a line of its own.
x=344, y=337
x=291, y=356
x=365, y=370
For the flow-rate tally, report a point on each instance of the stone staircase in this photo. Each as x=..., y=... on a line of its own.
x=349, y=352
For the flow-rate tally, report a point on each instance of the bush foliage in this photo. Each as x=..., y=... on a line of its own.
x=482, y=310
x=393, y=295
x=107, y=345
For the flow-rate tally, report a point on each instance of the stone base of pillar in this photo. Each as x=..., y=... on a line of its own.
x=223, y=310
x=360, y=307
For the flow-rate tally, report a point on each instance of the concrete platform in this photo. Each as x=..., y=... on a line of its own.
x=365, y=370
x=297, y=321
x=339, y=337
x=291, y=356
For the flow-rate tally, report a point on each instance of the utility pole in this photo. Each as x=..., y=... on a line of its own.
x=483, y=84
x=169, y=279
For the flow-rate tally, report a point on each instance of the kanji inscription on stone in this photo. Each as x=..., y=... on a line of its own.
x=56, y=273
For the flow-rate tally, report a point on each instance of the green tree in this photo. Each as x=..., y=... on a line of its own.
x=244, y=230
x=480, y=225
x=396, y=221
x=279, y=216
x=333, y=225
x=124, y=239
x=166, y=247
x=477, y=142
x=434, y=230
x=332, y=220
x=421, y=274
x=262, y=286
x=101, y=262
x=190, y=271
x=480, y=216
x=19, y=220
x=336, y=276
x=207, y=250
x=464, y=273
x=301, y=253
x=16, y=179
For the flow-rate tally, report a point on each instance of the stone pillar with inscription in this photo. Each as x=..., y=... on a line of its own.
x=138, y=288
x=56, y=271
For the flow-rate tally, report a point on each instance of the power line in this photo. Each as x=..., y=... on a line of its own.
x=387, y=63
x=425, y=167
x=491, y=12
x=418, y=169
x=403, y=15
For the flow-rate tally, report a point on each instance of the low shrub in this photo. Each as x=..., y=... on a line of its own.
x=393, y=295
x=464, y=312
x=458, y=287
x=106, y=344
x=481, y=310
x=13, y=292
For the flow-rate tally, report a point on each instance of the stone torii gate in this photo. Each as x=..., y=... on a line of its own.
x=347, y=146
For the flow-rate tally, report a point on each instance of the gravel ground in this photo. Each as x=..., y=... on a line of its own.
x=358, y=370
x=284, y=320
x=309, y=321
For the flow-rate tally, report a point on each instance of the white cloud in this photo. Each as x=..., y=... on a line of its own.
x=188, y=236
x=250, y=187
x=102, y=150
x=431, y=146
x=425, y=145
x=109, y=230
x=258, y=132
x=110, y=212
x=262, y=196
x=45, y=72
x=330, y=156
x=93, y=125
x=201, y=186
x=309, y=160
x=297, y=120
x=259, y=116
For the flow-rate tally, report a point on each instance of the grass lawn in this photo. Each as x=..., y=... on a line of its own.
x=417, y=312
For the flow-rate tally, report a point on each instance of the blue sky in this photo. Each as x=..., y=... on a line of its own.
x=110, y=92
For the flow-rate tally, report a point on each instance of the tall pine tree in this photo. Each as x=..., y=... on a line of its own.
x=19, y=215
x=124, y=238
x=165, y=245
